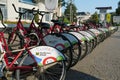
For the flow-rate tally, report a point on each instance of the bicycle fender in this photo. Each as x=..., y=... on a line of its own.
x=44, y=55
x=79, y=36
x=111, y=28
x=104, y=29
x=70, y=37
x=95, y=31
x=56, y=42
x=87, y=34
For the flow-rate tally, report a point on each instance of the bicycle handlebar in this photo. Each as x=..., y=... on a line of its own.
x=19, y=11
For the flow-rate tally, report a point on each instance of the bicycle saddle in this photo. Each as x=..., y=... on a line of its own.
x=59, y=23
x=44, y=25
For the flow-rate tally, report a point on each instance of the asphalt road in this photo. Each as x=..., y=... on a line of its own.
x=103, y=63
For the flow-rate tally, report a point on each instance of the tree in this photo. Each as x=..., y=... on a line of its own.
x=112, y=14
x=94, y=17
x=66, y=21
x=71, y=15
x=118, y=11
x=61, y=3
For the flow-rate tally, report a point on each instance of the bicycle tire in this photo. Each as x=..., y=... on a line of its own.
x=34, y=39
x=41, y=74
x=96, y=37
x=84, y=50
x=76, y=50
x=95, y=42
x=67, y=52
x=89, y=43
x=15, y=40
x=17, y=37
x=92, y=45
x=83, y=45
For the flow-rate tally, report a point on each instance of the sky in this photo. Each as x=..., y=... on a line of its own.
x=90, y=5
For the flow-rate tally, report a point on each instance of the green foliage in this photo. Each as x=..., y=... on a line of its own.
x=118, y=11
x=73, y=12
x=66, y=21
x=95, y=18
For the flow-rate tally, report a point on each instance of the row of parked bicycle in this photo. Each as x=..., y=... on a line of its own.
x=46, y=52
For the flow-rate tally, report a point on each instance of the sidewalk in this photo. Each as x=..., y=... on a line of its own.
x=102, y=64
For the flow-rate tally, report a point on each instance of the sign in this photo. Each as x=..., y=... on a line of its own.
x=108, y=17
x=116, y=19
x=51, y=4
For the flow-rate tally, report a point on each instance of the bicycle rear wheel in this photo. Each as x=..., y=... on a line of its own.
x=76, y=51
x=75, y=45
x=68, y=55
x=15, y=40
x=84, y=49
x=67, y=50
x=55, y=72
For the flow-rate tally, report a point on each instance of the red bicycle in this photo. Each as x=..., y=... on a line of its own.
x=36, y=63
x=36, y=38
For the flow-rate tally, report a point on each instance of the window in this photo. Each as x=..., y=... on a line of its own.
x=4, y=11
x=27, y=1
x=26, y=16
x=47, y=17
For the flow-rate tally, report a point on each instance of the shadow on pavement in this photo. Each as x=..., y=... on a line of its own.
x=75, y=75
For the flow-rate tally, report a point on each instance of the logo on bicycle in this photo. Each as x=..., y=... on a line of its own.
x=49, y=60
x=42, y=53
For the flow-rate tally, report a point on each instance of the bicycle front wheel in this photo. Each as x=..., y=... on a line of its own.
x=55, y=72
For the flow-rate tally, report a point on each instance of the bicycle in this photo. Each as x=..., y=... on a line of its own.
x=43, y=62
x=85, y=40
x=36, y=38
x=57, y=28
x=52, y=36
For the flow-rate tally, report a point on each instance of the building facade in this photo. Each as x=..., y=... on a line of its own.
x=82, y=16
x=22, y=5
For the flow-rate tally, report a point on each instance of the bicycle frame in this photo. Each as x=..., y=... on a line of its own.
x=48, y=38
x=46, y=54
x=36, y=31
x=19, y=27
x=6, y=55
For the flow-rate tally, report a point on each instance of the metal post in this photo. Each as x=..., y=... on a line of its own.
x=70, y=11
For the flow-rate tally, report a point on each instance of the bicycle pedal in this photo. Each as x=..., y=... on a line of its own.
x=9, y=74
